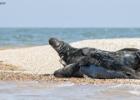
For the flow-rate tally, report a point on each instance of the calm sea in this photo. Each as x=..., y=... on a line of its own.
x=33, y=90
x=17, y=37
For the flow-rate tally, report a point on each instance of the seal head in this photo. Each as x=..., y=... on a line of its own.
x=63, y=49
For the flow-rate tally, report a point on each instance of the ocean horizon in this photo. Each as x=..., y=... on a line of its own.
x=22, y=37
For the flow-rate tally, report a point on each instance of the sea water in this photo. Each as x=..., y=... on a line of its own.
x=18, y=37
x=33, y=90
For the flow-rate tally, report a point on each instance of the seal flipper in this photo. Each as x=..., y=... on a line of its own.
x=101, y=73
x=62, y=61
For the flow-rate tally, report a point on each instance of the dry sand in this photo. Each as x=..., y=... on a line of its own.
x=28, y=63
x=44, y=60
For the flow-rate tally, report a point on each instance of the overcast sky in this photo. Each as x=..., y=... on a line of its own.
x=70, y=13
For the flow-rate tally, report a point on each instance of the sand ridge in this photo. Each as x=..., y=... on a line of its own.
x=44, y=60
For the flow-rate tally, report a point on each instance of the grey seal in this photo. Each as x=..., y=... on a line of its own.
x=96, y=63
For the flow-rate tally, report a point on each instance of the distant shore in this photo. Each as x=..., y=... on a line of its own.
x=38, y=61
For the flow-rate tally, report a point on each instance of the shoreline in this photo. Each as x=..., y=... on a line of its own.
x=71, y=43
x=10, y=76
x=10, y=73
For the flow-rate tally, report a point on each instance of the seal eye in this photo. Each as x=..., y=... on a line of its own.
x=57, y=44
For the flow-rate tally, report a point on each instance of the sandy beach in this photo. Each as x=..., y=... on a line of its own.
x=44, y=60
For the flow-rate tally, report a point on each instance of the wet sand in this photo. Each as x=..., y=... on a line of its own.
x=11, y=73
x=18, y=76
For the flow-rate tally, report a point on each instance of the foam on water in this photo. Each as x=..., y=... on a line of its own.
x=135, y=92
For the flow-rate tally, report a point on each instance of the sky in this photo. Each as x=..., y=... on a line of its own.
x=70, y=13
